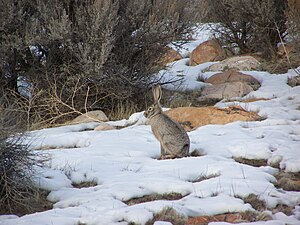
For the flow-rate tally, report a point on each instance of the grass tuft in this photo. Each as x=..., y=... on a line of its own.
x=255, y=202
x=154, y=197
x=85, y=184
x=169, y=215
x=252, y=162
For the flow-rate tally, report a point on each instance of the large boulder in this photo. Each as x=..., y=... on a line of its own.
x=193, y=117
x=225, y=90
x=236, y=63
x=233, y=76
x=208, y=51
x=92, y=116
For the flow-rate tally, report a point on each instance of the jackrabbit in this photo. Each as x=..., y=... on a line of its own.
x=174, y=141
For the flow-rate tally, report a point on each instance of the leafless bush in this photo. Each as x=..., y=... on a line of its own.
x=249, y=25
x=108, y=49
x=293, y=24
x=17, y=192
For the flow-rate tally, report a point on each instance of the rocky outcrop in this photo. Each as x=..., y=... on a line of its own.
x=208, y=51
x=193, y=117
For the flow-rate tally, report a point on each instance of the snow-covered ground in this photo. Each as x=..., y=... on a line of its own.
x=124, y=165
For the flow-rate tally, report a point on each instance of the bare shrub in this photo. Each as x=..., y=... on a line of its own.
x=249, y=25
x=293, y=25
x=18, y=194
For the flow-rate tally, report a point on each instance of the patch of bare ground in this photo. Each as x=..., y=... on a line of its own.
x=204, y=220
x=247, y=216
x=287, y=210
x=85, y=184
x=169, y=215
x=252, y=162
x=288, y=181
x=153, y=197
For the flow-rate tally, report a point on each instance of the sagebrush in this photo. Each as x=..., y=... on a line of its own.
x=84, y=55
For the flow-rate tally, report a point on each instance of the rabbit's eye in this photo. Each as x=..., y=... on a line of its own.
x=150, y=108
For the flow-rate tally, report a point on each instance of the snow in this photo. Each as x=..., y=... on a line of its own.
x=124, y=163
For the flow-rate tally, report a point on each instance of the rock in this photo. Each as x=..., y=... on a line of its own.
x=170, y=56
x=91, y=116
x=225, y=90
x=233, y=76
x=285, y=49
x=208, y=51
x=103, y=127
x=193, y=117
x=236, y=63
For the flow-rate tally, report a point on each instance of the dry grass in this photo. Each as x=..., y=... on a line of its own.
x=252, y=162
x=122, y=110
x=175, y=99
x=281, y=65
x=288, y=181
x=295, y=81
x=255, y=202
x=31, y=201
x=170, y=215
x=205, y=177
x=85, y=184
x=287, y=210
x=153, y=197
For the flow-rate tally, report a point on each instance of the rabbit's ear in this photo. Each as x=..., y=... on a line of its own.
x=156, y=93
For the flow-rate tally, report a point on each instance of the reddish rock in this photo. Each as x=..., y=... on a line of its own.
x=225, y=91
x=170, y=56
x=232, y=76
x=193, y=117
x=208, y=51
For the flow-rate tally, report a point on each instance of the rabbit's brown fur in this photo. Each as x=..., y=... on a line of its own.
x=174, y=141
